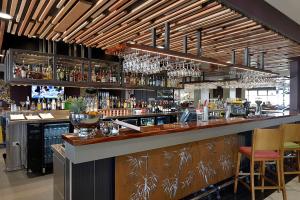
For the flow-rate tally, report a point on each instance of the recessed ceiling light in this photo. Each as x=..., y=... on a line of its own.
x=5, y=15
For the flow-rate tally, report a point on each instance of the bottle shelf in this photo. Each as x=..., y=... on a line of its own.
x=24, y=67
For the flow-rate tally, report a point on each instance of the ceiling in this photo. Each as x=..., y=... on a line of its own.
x=289, y=8
x=105, y=23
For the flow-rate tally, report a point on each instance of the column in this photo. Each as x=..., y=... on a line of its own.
x=204, y=94
x=232, y=93
x=294, y=86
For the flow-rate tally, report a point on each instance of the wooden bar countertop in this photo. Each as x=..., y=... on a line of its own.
x=163, y=130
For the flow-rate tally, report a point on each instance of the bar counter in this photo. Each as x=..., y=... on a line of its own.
x=168, y=161
x=85, y=149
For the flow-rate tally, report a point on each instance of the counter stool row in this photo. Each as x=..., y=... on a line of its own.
x=270, y=145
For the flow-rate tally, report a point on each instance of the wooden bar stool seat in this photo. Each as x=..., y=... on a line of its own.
x=267, y=145
x=291, y=135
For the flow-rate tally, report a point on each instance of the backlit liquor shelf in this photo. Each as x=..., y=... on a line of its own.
x=25, y=67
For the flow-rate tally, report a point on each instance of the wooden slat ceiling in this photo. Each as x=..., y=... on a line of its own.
x=105, y=23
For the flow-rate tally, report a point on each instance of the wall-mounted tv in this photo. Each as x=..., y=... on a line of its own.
x=48, y=92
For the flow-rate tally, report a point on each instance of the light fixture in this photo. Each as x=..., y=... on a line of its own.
x=1, y=55
x=5, y=15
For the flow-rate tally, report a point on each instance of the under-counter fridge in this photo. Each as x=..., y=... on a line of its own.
x=40, y=137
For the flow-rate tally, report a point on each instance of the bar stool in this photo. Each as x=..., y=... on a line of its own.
x=291, y=134
x=266, y=146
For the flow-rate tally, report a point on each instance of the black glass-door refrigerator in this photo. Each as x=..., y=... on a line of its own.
x=40, y=137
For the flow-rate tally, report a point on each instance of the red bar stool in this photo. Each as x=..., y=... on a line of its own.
x=266, y=146
x=291, y=135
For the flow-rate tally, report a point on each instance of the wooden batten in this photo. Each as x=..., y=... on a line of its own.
x=9, y=25
x=28, y=29
x=63, y=11
x=46, y=10
x=14, y=29
x=38, y=9
x=13, y=7
x=34, y=29
x=77, y=11
x=45, y=23
x=26, y=18
x=105, y=23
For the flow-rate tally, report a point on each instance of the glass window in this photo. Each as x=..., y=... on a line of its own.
x=262, y=93
x=271, y=92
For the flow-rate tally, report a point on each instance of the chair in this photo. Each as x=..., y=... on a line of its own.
x=266, y=146
x=291, y=134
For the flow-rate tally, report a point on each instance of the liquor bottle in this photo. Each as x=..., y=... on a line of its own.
x=93, y=76
x=53, y=104
x=63, y=104
x=71, y=79
x=58, y=104
x=39, y=105
x=125, y=104
x=103, y=77
x=27, y=103
x=23, y=72
x=32, y=106
x=48, y=104
x=61, y=74
x=44, y=104
x=125, y=80
x=113, y=74
x=142, y=82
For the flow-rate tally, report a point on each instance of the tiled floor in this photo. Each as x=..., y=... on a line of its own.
x=293, y=191
x=17, y=186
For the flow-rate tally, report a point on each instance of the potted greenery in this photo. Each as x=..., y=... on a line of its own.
x=86, y=123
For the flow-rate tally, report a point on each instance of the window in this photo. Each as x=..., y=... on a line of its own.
x=262, y=92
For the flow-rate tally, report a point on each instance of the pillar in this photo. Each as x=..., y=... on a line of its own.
x=294, y=86
x=204, y=94
x=232, y=93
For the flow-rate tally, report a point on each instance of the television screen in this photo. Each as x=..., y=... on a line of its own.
x=48, y=92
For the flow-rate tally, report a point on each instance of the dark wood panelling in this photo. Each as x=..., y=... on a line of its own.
x=83, y=177
x=105, y=179
x=295, y=86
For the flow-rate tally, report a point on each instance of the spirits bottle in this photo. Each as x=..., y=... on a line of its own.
x=94, y=79
x=39, y=105
x=62, y=104
x=48, y=104
x=58, y=104
x=44, y=104
x=32, y=106
x=53, y=104
x=27, y=103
